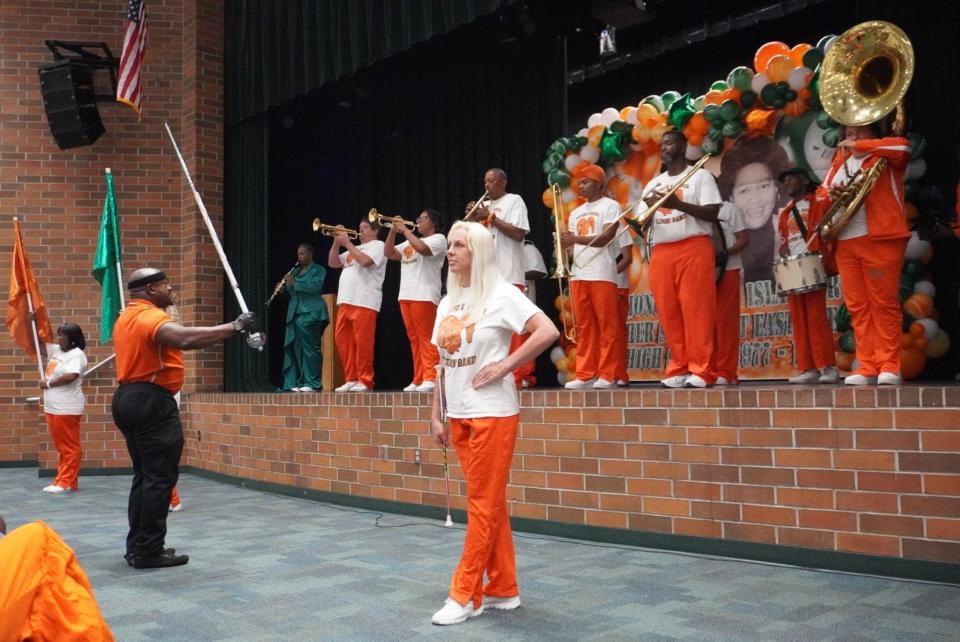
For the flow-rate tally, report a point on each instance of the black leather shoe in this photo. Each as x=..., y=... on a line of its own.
x=161, y=561
x=129, y=556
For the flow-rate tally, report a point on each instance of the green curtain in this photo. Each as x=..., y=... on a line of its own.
x=245, y=238
x=279, y=49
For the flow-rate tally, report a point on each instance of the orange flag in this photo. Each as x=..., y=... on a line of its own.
x=23, y=284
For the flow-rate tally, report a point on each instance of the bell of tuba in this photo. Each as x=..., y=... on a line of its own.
x=864, y=77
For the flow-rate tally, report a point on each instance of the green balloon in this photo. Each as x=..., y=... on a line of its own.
x=729, y=109
x=914, y=268
x=733, y=128
x=782, y=88
x=812, y=58
x=918, y=144
x=551, y=162
x=620, y=126
x=576, y=143
x=655, y=101
x=709, y=146
x=668, y=98
x=715, y=133
x=842, y=318
x=559, y=176
x=699, y=102
x=769, y=94
x=790, y=96
x=824, y=121
x=906, y=286
x=719, y=85
x=557, y=147
x=831, y=136
x=680, y=111
x=748, y=98
x=612, y=146
x=847, y=342
x=711, y=112
x=741, y=77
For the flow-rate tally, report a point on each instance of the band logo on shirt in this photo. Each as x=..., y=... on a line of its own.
x=664, y=213
x=51, y=367
x=408, y=254
x=450, y=337
x=349, y=261
x=586, y=225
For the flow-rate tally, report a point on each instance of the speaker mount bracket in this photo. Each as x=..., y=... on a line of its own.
x=95, y=55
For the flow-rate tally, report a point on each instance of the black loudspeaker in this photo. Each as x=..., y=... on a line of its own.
x=70, y=103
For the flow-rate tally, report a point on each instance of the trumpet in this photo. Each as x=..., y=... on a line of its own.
x=334, y=230
x=483, y=201
x=561, y=271
x=386, y=221
x=278, y=288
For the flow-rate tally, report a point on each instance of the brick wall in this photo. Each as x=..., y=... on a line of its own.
x=58, y=195
x=873, y=471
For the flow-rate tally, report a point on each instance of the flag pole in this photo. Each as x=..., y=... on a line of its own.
x=33, y=321
x=119, y=272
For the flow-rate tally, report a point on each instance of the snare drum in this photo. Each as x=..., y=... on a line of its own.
x=798, y=274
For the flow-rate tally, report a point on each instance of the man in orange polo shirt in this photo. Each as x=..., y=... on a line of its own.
x=149, y=347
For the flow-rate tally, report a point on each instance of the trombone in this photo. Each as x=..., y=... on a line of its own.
x=561, y=270
x=483, y=201
x=334, y=230
x=386, y=221
x=640, y=221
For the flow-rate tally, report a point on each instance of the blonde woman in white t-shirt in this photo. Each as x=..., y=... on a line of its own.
x=64, y=401
x=475, y=323
x=421, y=261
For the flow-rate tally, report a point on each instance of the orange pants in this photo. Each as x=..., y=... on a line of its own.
x=65, y=430
x=870, y=278
x=524, y=370
x=354, y=335
x=620, y=351
x=44, y=594
x=726, y=336
x=595, y=309
x=812, y=336
x=485, y=449
x=682, y=281
x=418, y=318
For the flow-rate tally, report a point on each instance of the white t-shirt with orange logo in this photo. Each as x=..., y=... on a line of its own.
x=363, y=286
x=796, y=244
x=419, y=274
x=467, y=345
x=594, y=263
x=732, y=222
x=67, y=399
x=670, y=226
x=511, y=209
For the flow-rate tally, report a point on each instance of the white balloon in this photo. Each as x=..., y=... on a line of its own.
x=556, y=354
x=925, y=287
x=561, y=377
x=571, y=161
x=694, y=152
x=609, y=116
x=594, y=120
x=583, y=132
x=589, y=153
x=799, y=78
x=915, y=247
x=916, y=169
x=568, y=195
x=632, y=116
x=759, y=82
x=930, y=328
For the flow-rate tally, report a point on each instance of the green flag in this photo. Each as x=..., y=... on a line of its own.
x=106, y=263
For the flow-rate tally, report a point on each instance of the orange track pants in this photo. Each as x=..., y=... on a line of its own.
x=485, y=449
x=595, y=309
x=65, y=430
x=354, y=335
x=44, y=593
x=623, y=309
x=418, y=319
x=726, y=336
x=682, y=282
x=870, y=278
x=812, y=336
x=524, y=370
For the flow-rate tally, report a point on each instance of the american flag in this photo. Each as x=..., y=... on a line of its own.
x=129, y=90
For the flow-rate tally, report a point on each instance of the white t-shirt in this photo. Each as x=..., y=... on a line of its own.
x=419, y=274
x=858, y=223
x=625, y=240
x=731, y=221
x=670, y=226
x=532, y=262
x=510, y=208
x=796, y=244
x=363, y=286
x=594, y=263
x=67, y=399
x=467, y=346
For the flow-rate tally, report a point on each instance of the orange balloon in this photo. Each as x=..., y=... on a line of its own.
x=916, y=329
x=845, y=360
x=911, y=363
x=572, y=354
x=647, y=115
x=920, y=343
x=558, y=303
x=594, y=135
x=779, y=68
x=713, y=97
x=761, y=121
x=906, y=340
x=696, y=128
x=911, y=211
x=918, y=306
x=568, y=318
x=547, y=198
x=797, y=51
x=768, y=51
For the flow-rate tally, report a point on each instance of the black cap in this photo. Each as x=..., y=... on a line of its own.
x=143, y=281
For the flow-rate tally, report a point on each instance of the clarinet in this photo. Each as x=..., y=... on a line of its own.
x=281, y=283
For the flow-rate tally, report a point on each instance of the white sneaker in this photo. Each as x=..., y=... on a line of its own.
x=696, y=381
x=889, y=379
x=524, y=384
x=807, y=376
x=177, y=508
x=603, y=384
x=359, y=387
x=721, y=381
x=678, y=381
x=501, y=603
x=347, y=387
x=453, y=613
x=411, y=388
x=860, y=380
x=578, y=384
x=829, y=375
x=56, y=490
x=426, y=386
x=623, y=383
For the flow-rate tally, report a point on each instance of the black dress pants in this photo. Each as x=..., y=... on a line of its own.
x=148, y=417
